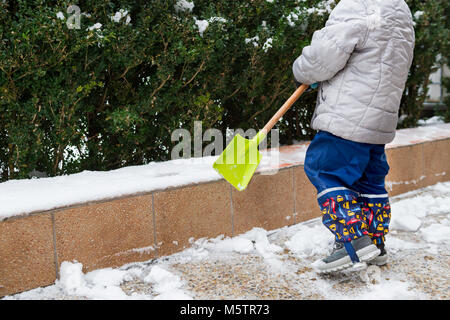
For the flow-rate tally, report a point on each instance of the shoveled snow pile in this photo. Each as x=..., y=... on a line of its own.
x=255, y=241
x=97, y=285
x=310, y=240
x=436, y=233
x=166, y=284
x=105, y=284
x=410, y=212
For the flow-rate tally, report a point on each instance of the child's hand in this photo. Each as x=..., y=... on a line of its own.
x=312, y=87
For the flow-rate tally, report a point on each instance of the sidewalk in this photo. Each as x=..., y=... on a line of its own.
x=275, y=264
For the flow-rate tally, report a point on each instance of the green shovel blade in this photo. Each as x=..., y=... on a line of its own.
x=239, y=161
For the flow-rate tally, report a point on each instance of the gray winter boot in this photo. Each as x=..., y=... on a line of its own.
x=381, y=259
x=340, y=259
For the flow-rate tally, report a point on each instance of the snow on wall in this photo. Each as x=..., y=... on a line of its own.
x=422, y=134
x=19, y=197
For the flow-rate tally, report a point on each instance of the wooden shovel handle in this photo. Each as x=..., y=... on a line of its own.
x=288, y=104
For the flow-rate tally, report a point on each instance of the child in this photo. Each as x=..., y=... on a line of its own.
x=361, y=60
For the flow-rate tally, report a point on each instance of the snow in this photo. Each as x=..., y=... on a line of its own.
x=253, y=41
x=418, y=14
x=237, y=244
x=71, y=277
x=268, y=44
x=408, y=215
x=96, y=26
x=21, y=197
x=100, y=284
x=421, y=134
x=202, y=25
x=184, y=5
x=49, y=193
x=254, y=241
x=291, y=18
x=409, y=212
x=322, y=8
x=393, y=290
x=56, y=192
x=431, y=121
x=106, y=277
x=411, y=223
x=266, y=249
x=436, y=233
x=119, y=15
x=306, y=241
x=166, y=284
x=397, y=244
x=60, y=16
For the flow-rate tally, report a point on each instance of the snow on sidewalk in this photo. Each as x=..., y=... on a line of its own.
x=264, y=264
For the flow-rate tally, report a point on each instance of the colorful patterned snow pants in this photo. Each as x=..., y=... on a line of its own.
x=350, y=180
x=377, y=216
x=349, y=218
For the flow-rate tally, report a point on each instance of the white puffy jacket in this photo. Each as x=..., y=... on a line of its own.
x=362, y=59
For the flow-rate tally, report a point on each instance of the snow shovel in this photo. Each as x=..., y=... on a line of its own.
x=238, y=163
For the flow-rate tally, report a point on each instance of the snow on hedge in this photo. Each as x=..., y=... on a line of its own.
x=184, y=5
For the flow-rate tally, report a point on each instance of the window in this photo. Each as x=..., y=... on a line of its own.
x=437, y=92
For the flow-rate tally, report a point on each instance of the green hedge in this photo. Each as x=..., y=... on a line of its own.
x=446, y=60
x=432, y=40
x=100, y=99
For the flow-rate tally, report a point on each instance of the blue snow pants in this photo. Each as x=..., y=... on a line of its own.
x=350, y=181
